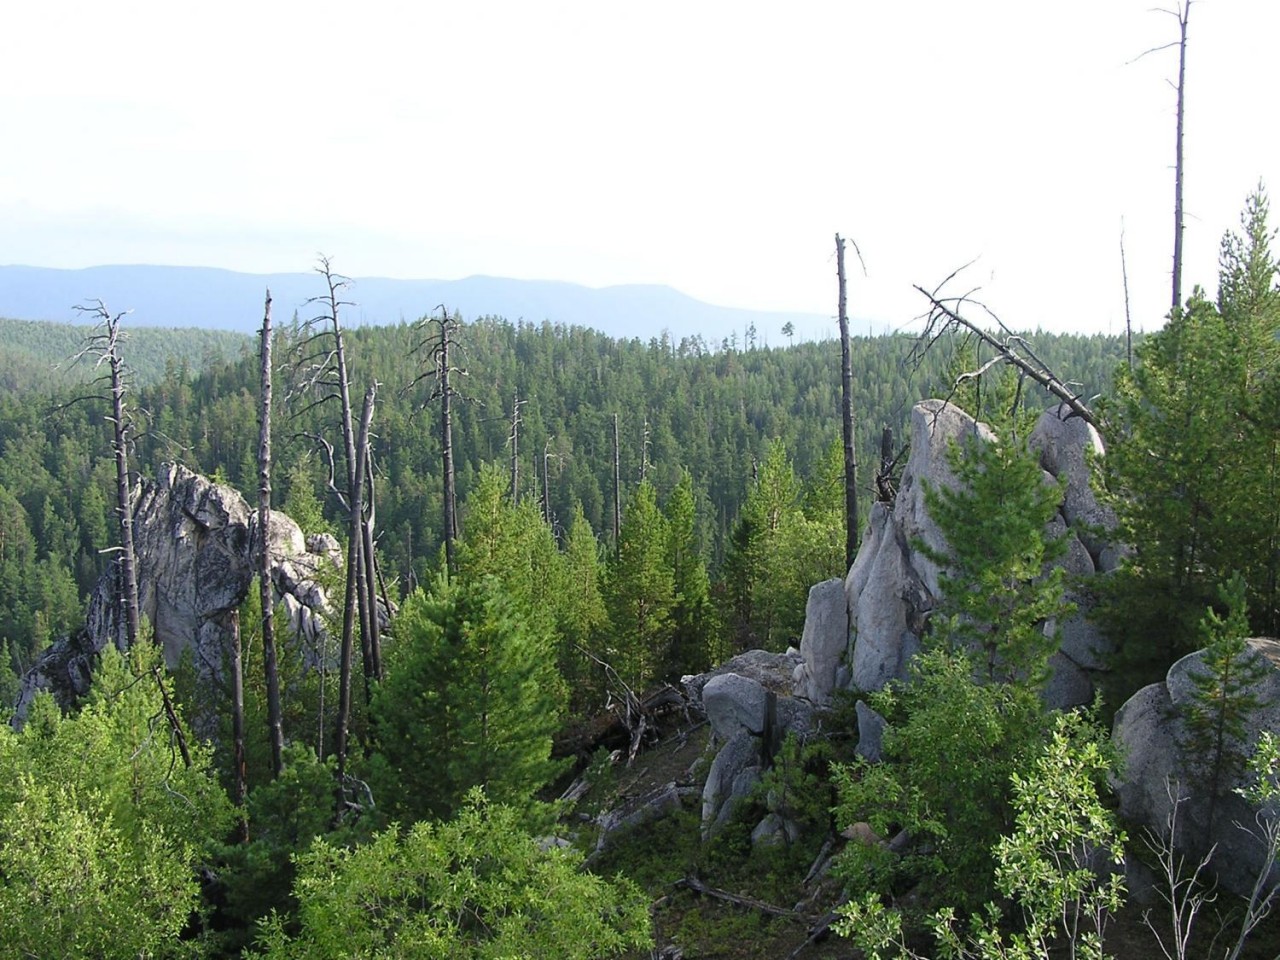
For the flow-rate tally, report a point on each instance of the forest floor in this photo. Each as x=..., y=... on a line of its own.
x=669, y=860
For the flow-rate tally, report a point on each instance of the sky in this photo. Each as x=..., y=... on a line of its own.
x=715, y=147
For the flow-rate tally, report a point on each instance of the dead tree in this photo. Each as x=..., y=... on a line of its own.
x=644, y=449
x=547, y=457
x=943, y=318
x=514, y=438
x=103, y=346
x=321, y=371
x=617, y=490
x=275, y=723
x=1182, y=15
x=439, y=366
x=353, y=589
x=1180, y=12
x=848, y=422
x=1128, y=319
x=241, y=791
x=371, y=571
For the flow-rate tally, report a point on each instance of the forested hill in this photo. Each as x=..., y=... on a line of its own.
x=37, y=355
x=679, y=406
x=228, y=300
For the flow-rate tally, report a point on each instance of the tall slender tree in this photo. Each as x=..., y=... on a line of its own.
x=848, y=421
x=352, y=587
x=438, y=346
x=104, y=346
x=275, y=724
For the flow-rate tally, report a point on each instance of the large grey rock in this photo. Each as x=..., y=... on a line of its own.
x=889, y=603
x=935, y=427
x=1068, y=685
x=1150, y=730
x=195, y=543
x=1067, y=444
x=773, y=671
x=824, y=645
x=893, y=587
x=734, y=703
x=870, y=733
x=657, y=803
x=735, y=770
x=1077, y=560
x=775, y=831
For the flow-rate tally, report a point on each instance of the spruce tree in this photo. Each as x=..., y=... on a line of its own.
x=692, y=617
x=581, y=613
x=1223, y=696
x=640, y=593
x=1193, y=464
x=472, y=698
x=996, y=591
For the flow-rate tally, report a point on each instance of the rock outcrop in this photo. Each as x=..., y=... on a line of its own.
x=749, y=704
x=861, y=632
x=892, y=587
x=1150, y=731
x=195, y=542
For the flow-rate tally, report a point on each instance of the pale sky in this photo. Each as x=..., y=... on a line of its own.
x=712, y=146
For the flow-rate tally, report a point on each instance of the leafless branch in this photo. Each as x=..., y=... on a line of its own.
x=944, y=317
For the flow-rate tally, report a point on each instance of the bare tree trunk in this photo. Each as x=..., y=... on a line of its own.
x=942, y=317
x=847, y=418
x=1183, y=14
x=354, y=539
x=371, y=568
x=1128, y=321
x=516, y=403
x=884, y=479
x=546, y=483
x=446, y=443
x=124, y=498
x=617, y=489
x=275, y=723
x=241, y=792
x=644, y=450
x=355, y=544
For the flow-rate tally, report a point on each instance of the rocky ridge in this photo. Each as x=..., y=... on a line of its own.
x=196, y=542
x=861, y=632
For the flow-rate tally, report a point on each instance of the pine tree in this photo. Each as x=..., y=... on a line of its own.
x=472, y=698
x=997, y=594
x=640, y=593
x=692, y=616
x=1223, y=695
x=581, y=612
x=1194, y=461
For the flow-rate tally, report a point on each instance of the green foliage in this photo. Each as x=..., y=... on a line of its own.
x=511, y=543
x=640, y=593
x=1194, y=461
x=10, y=682
x=946, y=782
x=285, y=816
x=471, y=698
x=694, y=626
x=476, y=886
x=786, y=539
x=797, y=787
x=996, y=592
x=101, y=825
x=582, y=614
x=1047, y=866
x=1223, y=696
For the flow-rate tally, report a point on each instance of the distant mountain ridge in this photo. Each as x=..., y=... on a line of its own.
x=211, y=297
